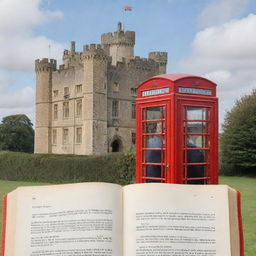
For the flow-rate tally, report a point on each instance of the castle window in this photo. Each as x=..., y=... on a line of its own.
x=79, y=108
x=65, y=136
x=66, y=91
x=79, y=135
x=65, y=109
x=78, y=88
x=55, y=111
x=133, y=137
x=133, y=111
x=115, y=108
x=115, y=87
x=134, y=91
x=55, y=93
x=54, y=136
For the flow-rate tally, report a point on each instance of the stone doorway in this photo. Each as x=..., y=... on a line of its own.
x=115, y=146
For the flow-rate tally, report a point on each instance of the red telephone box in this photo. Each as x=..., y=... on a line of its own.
x=177, y=130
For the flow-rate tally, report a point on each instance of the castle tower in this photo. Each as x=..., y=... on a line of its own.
x=95, y=98
x=120, y=45
x=43, y=69
x=71, y=58
x=161, y=59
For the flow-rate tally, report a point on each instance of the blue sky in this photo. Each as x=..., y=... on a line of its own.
x=212, y=38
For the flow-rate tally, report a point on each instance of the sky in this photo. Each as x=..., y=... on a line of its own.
x=215, y=39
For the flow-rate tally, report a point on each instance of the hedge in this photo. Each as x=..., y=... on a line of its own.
x=115, y=168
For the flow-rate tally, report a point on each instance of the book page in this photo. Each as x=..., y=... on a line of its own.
x=171, y=219
x=74, y=219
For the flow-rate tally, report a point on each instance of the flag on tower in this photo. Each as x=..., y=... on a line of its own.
x=127, y=8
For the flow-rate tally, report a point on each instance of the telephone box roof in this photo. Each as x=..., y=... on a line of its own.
x=173, y=77
x=176, y=77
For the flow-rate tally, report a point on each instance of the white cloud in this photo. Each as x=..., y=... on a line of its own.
x=18, y=102
x=19, y=47
x=219, y=76
x=229, y=40
x=19, y=20
x=20, y=99
x=20, y=52
x=56, y=14
x=221, y=11
x=226, y=54
x=229, y=46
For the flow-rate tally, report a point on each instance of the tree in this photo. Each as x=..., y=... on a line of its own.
x=17, y=134
x=238, y=141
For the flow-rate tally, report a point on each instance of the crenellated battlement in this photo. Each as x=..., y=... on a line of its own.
x=92, y=47
x=71, y=57
x=68, y=54
x=160, y=57
x=119, y=37
x=42, y=65
x=143, y=63
x=94, y=51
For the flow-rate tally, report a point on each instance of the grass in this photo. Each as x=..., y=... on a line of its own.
x=247, y=187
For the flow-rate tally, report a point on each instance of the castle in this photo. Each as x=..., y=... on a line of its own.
x=87, y=105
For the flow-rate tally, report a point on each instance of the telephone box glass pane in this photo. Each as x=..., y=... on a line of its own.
x=196, y=113
x=195, y=174
x=195, y=156
x=154, y=156
x=197, y=141
x=154, y=141
x=153, y=127
x=196, y=171
x=197, y=127
x=153, y=171
x=155, y=113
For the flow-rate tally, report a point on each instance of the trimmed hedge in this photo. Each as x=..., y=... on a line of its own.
x=114, y=168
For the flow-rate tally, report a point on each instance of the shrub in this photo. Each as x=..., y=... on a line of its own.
x=238, y=141
x=114, y=168
x=17, y=134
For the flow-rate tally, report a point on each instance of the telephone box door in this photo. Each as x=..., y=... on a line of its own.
x=153, y=155
x=198, y=152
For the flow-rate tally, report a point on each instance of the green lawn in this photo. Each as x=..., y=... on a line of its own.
x=247, y=187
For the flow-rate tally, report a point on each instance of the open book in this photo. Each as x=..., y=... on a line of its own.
x=101, y=219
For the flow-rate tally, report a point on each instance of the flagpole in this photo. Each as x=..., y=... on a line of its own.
x=49, y=48
x=123, y=19
x=125, y=9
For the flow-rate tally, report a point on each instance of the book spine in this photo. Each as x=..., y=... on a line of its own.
x=240, y=224
x=4, y=224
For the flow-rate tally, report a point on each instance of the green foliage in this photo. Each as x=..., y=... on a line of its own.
x=126, y=168
x=238, y=141
x=113, y=168
x=17, y=134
